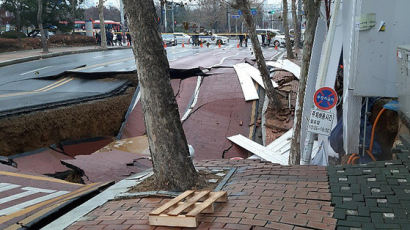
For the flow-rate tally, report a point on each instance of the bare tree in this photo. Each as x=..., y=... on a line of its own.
x=312, y=15
x=286, y=28
x=296, y=26
x=173, y=167
x=102, y=25
x=40, y=26
x=244, y=6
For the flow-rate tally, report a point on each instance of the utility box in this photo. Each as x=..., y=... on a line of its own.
x=377, y=28
x=403, y=77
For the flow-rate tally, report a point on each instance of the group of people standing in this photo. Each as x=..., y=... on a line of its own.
x=113, y=39
x=243, y=38
x=269, y=38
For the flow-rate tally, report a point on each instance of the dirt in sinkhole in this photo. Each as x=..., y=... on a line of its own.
x=38, y=129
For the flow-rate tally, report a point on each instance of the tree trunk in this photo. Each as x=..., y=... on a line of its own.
x=18, y=17
x=73, y=5
x=40, y=26
x=274, y=101
x=295, y=27
x=312, y=15
x=286, y=28
x=102, y=25
x=173, y=167
x=299, y=24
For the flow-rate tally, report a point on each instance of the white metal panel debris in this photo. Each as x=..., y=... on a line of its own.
x=255, y=74
x=275, y=152
x=320, y=35
x=286, y=65
x=248, y=88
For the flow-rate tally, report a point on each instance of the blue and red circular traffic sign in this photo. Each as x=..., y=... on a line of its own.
x=325, y=98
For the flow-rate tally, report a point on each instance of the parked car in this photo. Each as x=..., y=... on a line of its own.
x=169, y=39
x=183, y=38
x=214, y=39
x=36, y=33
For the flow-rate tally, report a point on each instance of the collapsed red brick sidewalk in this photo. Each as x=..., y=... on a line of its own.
x=261, y=195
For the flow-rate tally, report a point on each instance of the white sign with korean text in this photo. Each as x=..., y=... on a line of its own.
x=321, y=122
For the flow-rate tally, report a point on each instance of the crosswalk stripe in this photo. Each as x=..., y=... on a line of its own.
x=23, y=205
x=9, y=187
x=29, y=191
x=4, y=184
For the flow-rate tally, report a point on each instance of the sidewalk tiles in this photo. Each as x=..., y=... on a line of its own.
x=262, y=195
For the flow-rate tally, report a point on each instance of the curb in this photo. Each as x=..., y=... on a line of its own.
x=50, y=55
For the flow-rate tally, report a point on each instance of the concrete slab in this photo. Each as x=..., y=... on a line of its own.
x=109, y=166
x=220, y=111
x=183, y=91
x=138, y=145
x=45, y=162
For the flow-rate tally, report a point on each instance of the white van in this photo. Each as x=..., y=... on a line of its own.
x=278, y=38
x=183, y=38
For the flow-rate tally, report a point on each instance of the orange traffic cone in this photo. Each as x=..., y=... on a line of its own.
x=165, y=45
x=219, y=45
x=183, y=45
x=237, y=46
x=202, y=45
x=276, y=47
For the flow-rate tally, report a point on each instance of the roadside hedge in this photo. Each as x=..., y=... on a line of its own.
x=71, y=40
x=60, y=40
x=7, y=44
x=13, y=34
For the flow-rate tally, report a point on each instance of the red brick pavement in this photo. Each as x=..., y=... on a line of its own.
x=261, y=196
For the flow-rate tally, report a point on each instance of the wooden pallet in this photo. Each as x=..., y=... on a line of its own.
x=183, y=210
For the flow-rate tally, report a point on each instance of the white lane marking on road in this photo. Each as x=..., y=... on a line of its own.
x=23, y=205
x=32, y=71
x=196, y=92
x=9, y=187
x=136, y=100
x=29, y=191
x=222, y=60
x=101, y=64
x=103, y=56
x=99, y=67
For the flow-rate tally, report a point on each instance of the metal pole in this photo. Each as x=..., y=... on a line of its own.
x=122, y=21
x=271, y=21
x=229, y=19
x=165, y=18
x=173, y=19
x=307, y=149
x=365, y=127
x=236, y=25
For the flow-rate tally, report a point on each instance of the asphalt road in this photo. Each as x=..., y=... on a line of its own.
x=21, y=90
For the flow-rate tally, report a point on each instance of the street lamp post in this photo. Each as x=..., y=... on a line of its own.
x=122, y=21
x=173, y=19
